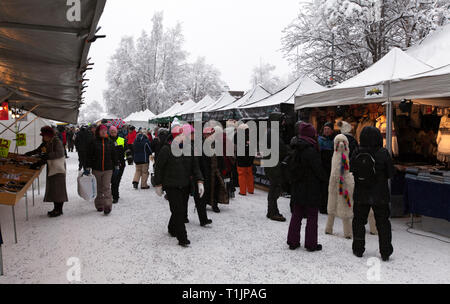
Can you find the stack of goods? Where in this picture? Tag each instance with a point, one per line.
(16, 171)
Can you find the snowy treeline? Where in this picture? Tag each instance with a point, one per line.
(153, 72)
(264, 75)
(91, 112)
(362, 32)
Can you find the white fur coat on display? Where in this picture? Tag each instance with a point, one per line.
(342, 184)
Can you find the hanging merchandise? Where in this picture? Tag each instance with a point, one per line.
(443, 139)
(21, 140)
(4, 111)
(4, 147)
(382, 126)
(415, 117)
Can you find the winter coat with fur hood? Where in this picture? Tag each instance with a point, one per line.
(341, 186)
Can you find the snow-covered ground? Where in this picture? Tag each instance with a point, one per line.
(242, 246)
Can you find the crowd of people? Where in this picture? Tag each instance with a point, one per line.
(330, 173)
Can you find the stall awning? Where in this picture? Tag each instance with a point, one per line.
(370, 86)
(43, 55)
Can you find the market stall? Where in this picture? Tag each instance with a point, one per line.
(17, 176)
(409, 103)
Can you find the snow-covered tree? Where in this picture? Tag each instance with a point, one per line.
(264, 75)
(353, 34)
(91, 112)
(153, 73)
(203, 79)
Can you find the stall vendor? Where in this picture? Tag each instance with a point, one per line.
(51, 151)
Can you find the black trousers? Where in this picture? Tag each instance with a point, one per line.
(200, 205)
(382, 213)
(115, 183)
(178, 198)
(275, 191)
(82, 159)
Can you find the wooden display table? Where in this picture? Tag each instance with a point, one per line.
(14, 172)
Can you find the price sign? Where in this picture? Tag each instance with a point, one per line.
(4, 147)
(21, 140)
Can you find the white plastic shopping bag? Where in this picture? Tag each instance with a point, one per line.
(87, 187)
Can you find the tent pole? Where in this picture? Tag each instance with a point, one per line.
(389, 120)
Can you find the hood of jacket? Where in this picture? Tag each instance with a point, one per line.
(371, 138)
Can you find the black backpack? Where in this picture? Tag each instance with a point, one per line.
(363, 168)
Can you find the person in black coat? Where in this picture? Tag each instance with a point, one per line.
(83, 140)
(307, 180)
(274, 174)
(103, 161)
(373, 194)
(174, 174)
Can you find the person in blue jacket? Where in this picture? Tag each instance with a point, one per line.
(142, 153)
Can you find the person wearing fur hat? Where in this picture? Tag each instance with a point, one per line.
(103, 161)
(308, 178)
(346, 129)
(341, 185)
(372, 167)
(55, 187)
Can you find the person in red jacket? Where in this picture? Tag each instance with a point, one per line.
(131, 138)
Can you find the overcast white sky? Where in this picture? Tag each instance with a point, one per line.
(233, 35)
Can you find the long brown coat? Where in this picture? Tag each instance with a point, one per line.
(55, 187)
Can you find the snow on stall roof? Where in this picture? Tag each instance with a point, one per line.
(395, 64)
(186, 106)
(224, 100)
(434, 49)
(169, 111)
(303, 85)
(202, 104)
(141, 116)
(256, 94)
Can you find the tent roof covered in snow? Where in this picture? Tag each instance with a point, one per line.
(256, 94)
(143, 116)
(185, 107)
(169, 111)
(224, 100)
(434, 49)
(431, 87)
(202, 104)
(368, 86)
(301, 86)
(43, 55)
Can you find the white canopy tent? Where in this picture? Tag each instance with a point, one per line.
(168, 112)
(140, 119)
(206, 102)
(434, 49)
(301, 86)
(185, 107)
(256, 94)
(224, 100)
(370, 86)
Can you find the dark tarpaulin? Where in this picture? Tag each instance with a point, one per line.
(43, 55)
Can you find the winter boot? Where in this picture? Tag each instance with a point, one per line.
(277, 218)
(135, 185)
(208, 222)
(293, 247)
(107, 211)
(358, 254)
(115, 201)
(317, 248)
(216, 209)
(184, 243)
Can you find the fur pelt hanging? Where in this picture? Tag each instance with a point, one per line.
(342, 184)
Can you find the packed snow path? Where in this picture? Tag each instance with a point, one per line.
(132, 245)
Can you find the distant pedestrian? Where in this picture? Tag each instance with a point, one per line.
(142, 153)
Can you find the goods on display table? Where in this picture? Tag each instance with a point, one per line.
(17, 175)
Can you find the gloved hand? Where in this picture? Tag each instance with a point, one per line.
(201, 190)
(159, 191)
(29, 154)
(87, 172)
